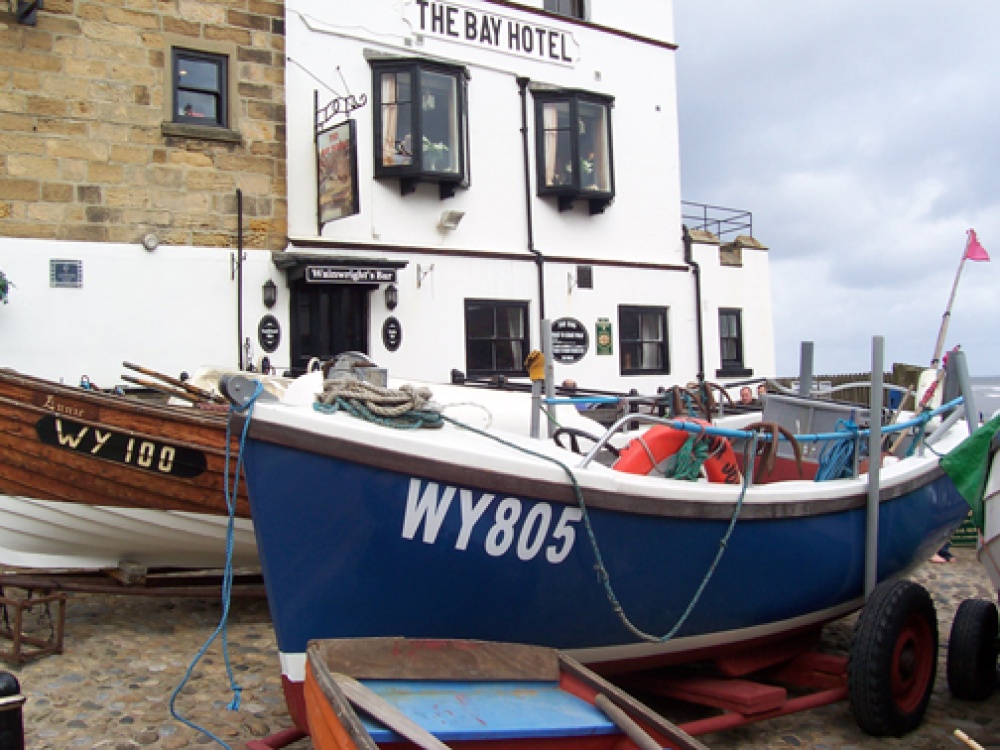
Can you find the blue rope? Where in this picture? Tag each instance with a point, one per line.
(836, 460)
(232, 492)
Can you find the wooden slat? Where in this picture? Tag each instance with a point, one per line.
(415, 659)
(380, 709)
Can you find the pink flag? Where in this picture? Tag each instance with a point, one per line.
(973, 250)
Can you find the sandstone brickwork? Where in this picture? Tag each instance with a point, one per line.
(87, 148)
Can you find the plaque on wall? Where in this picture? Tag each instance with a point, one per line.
(392, 333)
(269, 333)
(570, 341)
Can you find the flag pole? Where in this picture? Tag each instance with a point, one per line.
(939, 346)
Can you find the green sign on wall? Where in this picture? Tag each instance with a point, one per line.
(604, 339)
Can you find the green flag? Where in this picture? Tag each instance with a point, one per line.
(968, 466)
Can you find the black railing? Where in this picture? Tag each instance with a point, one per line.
(716, 219)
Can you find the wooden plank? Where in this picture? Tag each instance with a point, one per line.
(729, 694)
(380, 709)
(416, 659)
(660, 727)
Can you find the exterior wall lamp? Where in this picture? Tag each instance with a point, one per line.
(391, 297)
(270, 292)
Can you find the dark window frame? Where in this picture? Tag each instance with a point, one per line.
(476, 370)
(220, 93)
(627, 345)
(418, 169)
(730, 366)
(574, 187)
(569, 8)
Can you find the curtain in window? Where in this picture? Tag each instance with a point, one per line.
(550, 121)
(390, 119)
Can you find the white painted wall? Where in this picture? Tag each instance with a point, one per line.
(171, 310)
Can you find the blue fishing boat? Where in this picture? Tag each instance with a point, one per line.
(461, 532)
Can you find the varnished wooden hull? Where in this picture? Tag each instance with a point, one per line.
(104, 468)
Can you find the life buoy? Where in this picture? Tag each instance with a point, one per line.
(648, 451)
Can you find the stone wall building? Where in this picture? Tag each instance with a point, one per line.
(100, 148)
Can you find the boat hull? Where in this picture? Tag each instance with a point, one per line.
(989, 550)
(87, 476)
(368, 533)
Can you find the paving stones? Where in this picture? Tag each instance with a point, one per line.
(125, 656)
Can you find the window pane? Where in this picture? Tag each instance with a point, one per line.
(595, 171)
(439, 110)
(479, 356)
(557, 144)
(191, 104)
(511, 322)
(573, 8)
(652, 356)
(479, 322)
(397, 148)
(198, 74)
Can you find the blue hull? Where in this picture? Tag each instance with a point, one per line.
(351, 550)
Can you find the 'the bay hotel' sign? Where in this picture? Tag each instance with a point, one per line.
(459, 23)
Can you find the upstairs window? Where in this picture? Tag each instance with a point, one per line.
(420, 124)
(731, 344)
(643, 333)
(496, 337)
(574, 148)
(571, 8)
(200, 81)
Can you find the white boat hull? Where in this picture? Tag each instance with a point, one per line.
(989, 550)
(51, 535)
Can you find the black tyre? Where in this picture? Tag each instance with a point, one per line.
(972, 650)
(893, 659)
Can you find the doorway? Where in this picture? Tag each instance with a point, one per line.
(328, 319)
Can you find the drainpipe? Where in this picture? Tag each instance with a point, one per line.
(696, 270)
(239, 275)
(522, 84)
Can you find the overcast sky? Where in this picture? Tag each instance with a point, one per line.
(865, 139)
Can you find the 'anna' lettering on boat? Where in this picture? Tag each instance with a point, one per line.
(428, 506)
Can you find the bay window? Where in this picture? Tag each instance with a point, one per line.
(420, 124)
(573, 148)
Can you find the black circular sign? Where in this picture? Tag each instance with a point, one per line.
(392, 333)
(269, 333)
(570, 340)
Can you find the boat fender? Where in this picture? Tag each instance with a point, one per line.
(646, 453)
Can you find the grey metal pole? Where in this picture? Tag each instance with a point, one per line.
(958, 367)
(805, 368)
(874, 464)
(550, 372)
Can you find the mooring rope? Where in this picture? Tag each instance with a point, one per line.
(232, 493)
(602, 572)
(402, 409)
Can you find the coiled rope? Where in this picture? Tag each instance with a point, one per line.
(402, 409)
(232, 492)
(836, 460)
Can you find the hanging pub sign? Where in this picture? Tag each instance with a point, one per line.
(604, 345)
(570, 341)
(337, 172)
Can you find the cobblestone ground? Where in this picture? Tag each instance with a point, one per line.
(125, 656)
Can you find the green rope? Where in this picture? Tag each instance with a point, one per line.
(411, 420)
(689, 459)
(603, 576)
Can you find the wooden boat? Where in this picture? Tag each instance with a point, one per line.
(368, 693)
(90, 479)
(367, 531)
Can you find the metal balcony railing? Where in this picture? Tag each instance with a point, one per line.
(718, 220)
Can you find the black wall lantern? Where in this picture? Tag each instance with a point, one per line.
(270, 291)
(391, 297)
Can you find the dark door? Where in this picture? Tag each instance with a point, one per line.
(328, 319)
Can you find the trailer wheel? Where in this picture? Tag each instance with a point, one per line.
(893, 659)
(972, 650)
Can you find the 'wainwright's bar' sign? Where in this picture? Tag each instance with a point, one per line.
(458, 23)
(338, 275)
